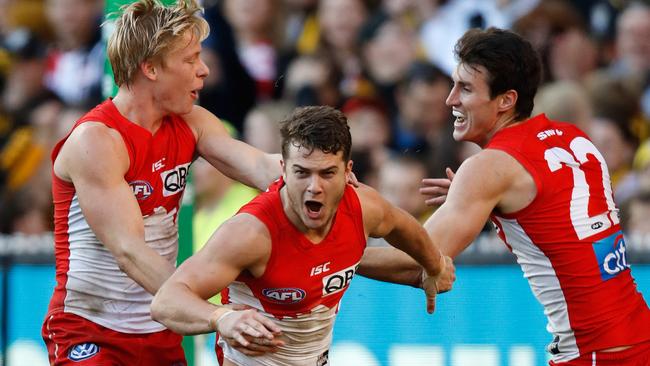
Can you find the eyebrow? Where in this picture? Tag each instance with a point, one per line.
(298, 166)
(462, 84)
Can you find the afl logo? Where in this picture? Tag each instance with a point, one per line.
(287, 295)
(141, 189)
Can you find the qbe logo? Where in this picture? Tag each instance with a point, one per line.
(339, 281)
(141, 189)
(610, 252)
(286, 295)
(174, 180)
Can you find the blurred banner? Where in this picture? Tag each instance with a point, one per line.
(490, 318)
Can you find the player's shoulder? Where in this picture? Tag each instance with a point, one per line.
(374, 207)
(199, 115)
(248, 224)
(202, 120)
(92, 144)
(244, 232)
(489, 170)
(488, 159)
(94, 138)
(366, 194)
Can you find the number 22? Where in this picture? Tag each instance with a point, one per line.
(584, 225)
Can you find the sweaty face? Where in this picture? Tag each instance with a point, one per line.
(315, 182)
(180, 76)
(476, 113)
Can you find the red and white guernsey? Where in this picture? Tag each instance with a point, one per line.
(89, 281)
(303, 282)
(569, 243)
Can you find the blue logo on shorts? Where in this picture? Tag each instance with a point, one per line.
(610, 253)
(83, 351)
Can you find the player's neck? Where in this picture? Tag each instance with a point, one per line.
(503, 121)
(138, 109)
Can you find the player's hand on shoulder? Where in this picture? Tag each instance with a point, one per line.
(435, 189)
(249, 332)
(352, 179)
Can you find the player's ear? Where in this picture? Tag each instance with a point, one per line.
(508, 100)
(348, 166)
(284, 170)
(148, 69)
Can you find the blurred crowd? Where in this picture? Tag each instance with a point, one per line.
(385, 63)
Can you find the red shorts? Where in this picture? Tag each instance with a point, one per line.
(73, 340)
(637, 355)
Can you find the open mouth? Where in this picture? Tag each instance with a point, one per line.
(460, 118)
(313, 209)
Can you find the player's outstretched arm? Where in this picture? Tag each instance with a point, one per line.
(401, 230)
(95, 160)
(232, 157)
(479, 185)
(241, 243)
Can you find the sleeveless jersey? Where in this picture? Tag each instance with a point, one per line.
(89, 281)
(568, 240)
(303, 282)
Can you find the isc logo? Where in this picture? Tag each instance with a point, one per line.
(174, 179)
(321, 268)
(287, 295)
(611, 255)
(141, 189)
(337, 282)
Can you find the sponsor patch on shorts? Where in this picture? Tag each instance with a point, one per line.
(82, 351)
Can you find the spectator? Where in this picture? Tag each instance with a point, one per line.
(76, 63)
(565, 101)
(261, 126)
(313, 80)
(617, 145)
(388, 47)
(340, 23)
(423, 120)
(639, 178)
(633, 49)
(229, 91)
(399, 177)
(254, 24)
(559, 34)
(370, 130)
(31, 116)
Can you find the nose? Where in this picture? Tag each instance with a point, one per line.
(203, 70)
(452, 98)
(315, 185)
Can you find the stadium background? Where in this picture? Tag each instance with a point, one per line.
(490, 319)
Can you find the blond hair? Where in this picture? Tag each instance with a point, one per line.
(146, 30)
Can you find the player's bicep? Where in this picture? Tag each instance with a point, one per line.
(241, 243)
(232, 157)
(95, 159)
(476, 190)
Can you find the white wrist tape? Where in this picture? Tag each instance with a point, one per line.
(220, 318)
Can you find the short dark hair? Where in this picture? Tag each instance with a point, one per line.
(317, 127)
(511, 61)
